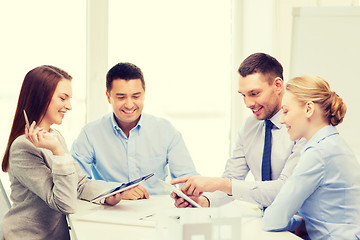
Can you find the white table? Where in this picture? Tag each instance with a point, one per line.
(128, 220)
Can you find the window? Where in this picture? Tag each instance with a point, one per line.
(184, 50)
(42, 32)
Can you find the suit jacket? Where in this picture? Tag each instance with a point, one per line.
(44, 189)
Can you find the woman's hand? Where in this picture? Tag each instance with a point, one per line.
(42, 139)
(115, 199)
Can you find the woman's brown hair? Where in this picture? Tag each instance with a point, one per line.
(35, 95)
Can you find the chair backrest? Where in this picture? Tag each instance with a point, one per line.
(71, 228)
(4, 203)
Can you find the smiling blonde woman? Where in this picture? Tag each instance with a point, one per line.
(324, 190)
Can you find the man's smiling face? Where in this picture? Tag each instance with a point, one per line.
(263, 98)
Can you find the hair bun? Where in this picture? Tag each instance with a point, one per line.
(337, 110)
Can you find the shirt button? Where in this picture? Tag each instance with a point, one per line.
(132, 176)
(130, 158)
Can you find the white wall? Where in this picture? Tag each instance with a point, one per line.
(185, 54)
(35, 33)
(326, 42)
(54, 32)
(328, 47)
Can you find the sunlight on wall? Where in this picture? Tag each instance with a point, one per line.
(185, 59)
(42, 32)
(184, 52)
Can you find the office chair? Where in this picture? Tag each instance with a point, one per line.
(71, 228)
(4, 203)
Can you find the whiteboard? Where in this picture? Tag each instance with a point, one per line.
(326, 43)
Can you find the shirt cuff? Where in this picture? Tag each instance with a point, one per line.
(217, 198)
(294, 223)
(63, 165)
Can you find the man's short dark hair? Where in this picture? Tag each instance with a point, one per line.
(125, 71)
(261, 63)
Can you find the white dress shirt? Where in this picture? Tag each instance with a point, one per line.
(247, 156)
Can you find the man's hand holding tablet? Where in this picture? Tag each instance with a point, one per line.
(179, 193)
(194, 186)
(136, 193)
(182, 203)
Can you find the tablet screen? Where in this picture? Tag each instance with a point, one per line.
(123, 187)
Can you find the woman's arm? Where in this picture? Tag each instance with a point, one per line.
(307, 176)
(50, 177)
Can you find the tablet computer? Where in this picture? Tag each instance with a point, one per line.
(122, 187)
(172, 188)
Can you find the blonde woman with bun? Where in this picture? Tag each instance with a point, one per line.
(324, 189)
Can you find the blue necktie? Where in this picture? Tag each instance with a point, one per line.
(266, 160)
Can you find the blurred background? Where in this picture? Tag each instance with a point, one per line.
(189, 52)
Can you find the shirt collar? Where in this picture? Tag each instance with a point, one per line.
(118, 130)
(321, 135)
(140, 122)
(276, 119)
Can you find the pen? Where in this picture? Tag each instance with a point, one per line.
(148, 216)
(26, 120)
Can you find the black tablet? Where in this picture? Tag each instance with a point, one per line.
(122, 187)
